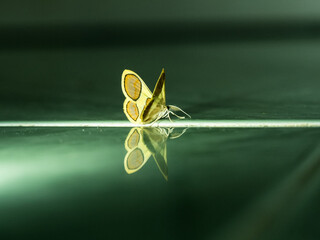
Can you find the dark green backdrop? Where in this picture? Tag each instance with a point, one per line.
(224, 59)
(250, 59)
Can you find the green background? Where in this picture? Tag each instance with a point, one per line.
(224, 59)
(63, 60)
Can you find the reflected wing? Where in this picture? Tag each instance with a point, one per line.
(156, 142)
(140, 144)
(137, 95)
(157, 104)
(137, 152)
(160, 158)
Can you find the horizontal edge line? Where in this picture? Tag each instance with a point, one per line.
(178, 124)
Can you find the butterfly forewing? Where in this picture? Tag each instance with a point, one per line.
(157, 104)
(159, 89)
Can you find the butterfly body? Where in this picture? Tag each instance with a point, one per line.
(141, 106)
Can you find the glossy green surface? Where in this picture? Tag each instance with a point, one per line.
(222, 184)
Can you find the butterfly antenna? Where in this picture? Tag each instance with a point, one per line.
(175, 108)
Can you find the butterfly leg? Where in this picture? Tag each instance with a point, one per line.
(175, 108)
(167, 131)
(180, 134)
(169, 117)
(161, 115)
(180, 117)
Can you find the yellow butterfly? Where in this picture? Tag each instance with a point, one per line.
(141, 106)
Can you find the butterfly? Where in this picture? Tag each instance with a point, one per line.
(143, 107)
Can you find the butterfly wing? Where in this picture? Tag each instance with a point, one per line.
(137, 95)
(157, 104)
(156, 143)
(137, 152)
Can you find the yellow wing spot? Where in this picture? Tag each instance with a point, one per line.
(132, 110)
(135, 159)
(132, 86)
(133, 139)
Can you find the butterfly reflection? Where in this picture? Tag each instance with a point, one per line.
(141, 143)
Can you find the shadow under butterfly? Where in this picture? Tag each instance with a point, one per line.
(142, 143)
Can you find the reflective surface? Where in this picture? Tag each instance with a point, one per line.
(222, 184)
